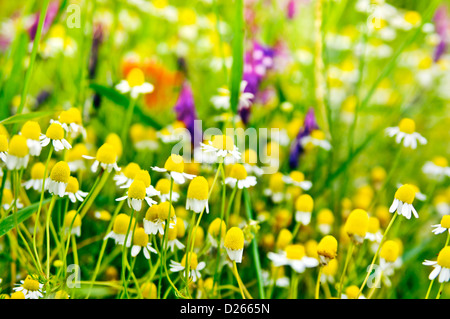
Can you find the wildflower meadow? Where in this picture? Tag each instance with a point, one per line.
(212, 149)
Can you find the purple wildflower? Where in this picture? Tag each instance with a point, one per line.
(52, 10)
(296, 148)
(442, 24)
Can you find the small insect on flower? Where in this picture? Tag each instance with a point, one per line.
(37, 177)
(32, 132)
(122, 223)
(441, 266)
(197, 195)
(135, 84)
(140, 242)
(71, 122)
(294, 255)
(403, 198)
(59, 179)
(238, 177)
(356, 225)
(18, 154)
(406, 131)
(443, 226)
(106, 157)
(194, 265)
(234, 244)
(297, 178)
(31, 288)
(175, 167)
(304, 205)
(327, 249)
(73, 190)
(437, 168)
(72, 223)
(55, 134)
(163, 187)
(223, 147)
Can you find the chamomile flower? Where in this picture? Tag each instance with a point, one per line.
(250, 160)
(215, 229)
(55, 134)
(31, 288)
(352, 292)
(297, 178)
(135, 195)
(222, 100)
(194, 266)
(144, 176)
(437, 168)
(37, 177)
(327, 249)
(32, 132)
(443, 226)
(71, 122)
(18, 153)
(143, 138)
(172, 234)
(389, 257)
(174, 166)
(156, 217)
(441, 266)
(234, 244)
(405, 132)
(294, 255)
(173, 132)
(276, 187)
(374, 234)
(238, 177)
(223, 147)
(197, 195)
(403, 198)
(163, 187)
(329, 271)
(73, 190)
(304, 205)
(75, 159)
(126, 176)
(3, 147)
(325, 220)
(122, 223)
(356, 225)
(140, 242)
(106, 157)
(59, 179)
(316, 138)
(135, 84)
(8, 200)
(72, 223)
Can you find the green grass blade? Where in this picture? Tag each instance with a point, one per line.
(19, 118)
(238, 55)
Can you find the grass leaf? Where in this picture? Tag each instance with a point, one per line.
(19, 118)
(238, 55)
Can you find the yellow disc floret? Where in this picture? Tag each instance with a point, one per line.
(174, 163)
(121, 224)
(217, 226)
(445, 221)
(37, 170)
(72, 216)
(327, 247)
(131, 170)
(407, 126)
(390, 251)
(106, 154)
(135, 77)
(72, 115)
(284, 238)
(137, 190)
(60, 172)
(3, 143)
(72, 186)
(193, 261)
(406, 193)
(163, 186)
(152, 213)
(357, 223)
(304, 203)
(238, 172)
(31, 130)
(30, 284)
(55, 131)
(198, 188)
(18, 146)
(295, 251)
(440, 161)
(223, 142)
(352, 292)
(140, 238)
(325, 217)
(443, 259)
(234, 239)
(163, 212)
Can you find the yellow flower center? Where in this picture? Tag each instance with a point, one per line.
(297, 176)
(70, 217)
(348, 65)
(55, 131)
(250, 157)
(30, 284)
(106, 154)
(234, 239)
(60, 172)
(283, 239)
(276, 183)
(137, 132)
(7, 196)
(164, 208)
(116, 142)
(135, 77)
(181, 227)
(31, 130)
(407, 126)
(198, 188)
(137, 190)
(331, 268)
(140, 238)
(238, 172)
(223, 142)
(193, 261)
(152, 213)
(378, 174)
(405, 193)
(413, 17)
(174, 163)
(352, 292)
(37, 171)
(121, 224)
(425, 63)
(18, 146)
(444, 257)
(187, 16)
(325, 217)
(17, 295)
(217, 226)
(440, 161)
(131, 170)
(304, 203)
(374, 225)
(160, 4)
(357, 223)
(172, 233)
(149, 290)
(72, 115)
(163, 186)
(296, 251)
(143, 176)
(390, 251)
(72, 186)
(318, 135)
(327, 247)
(3, 143)
(76, 153)
(445, 221)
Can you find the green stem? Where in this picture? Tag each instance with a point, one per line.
(349, 255)
(47, 227)
(316, 295)
(124, 254)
